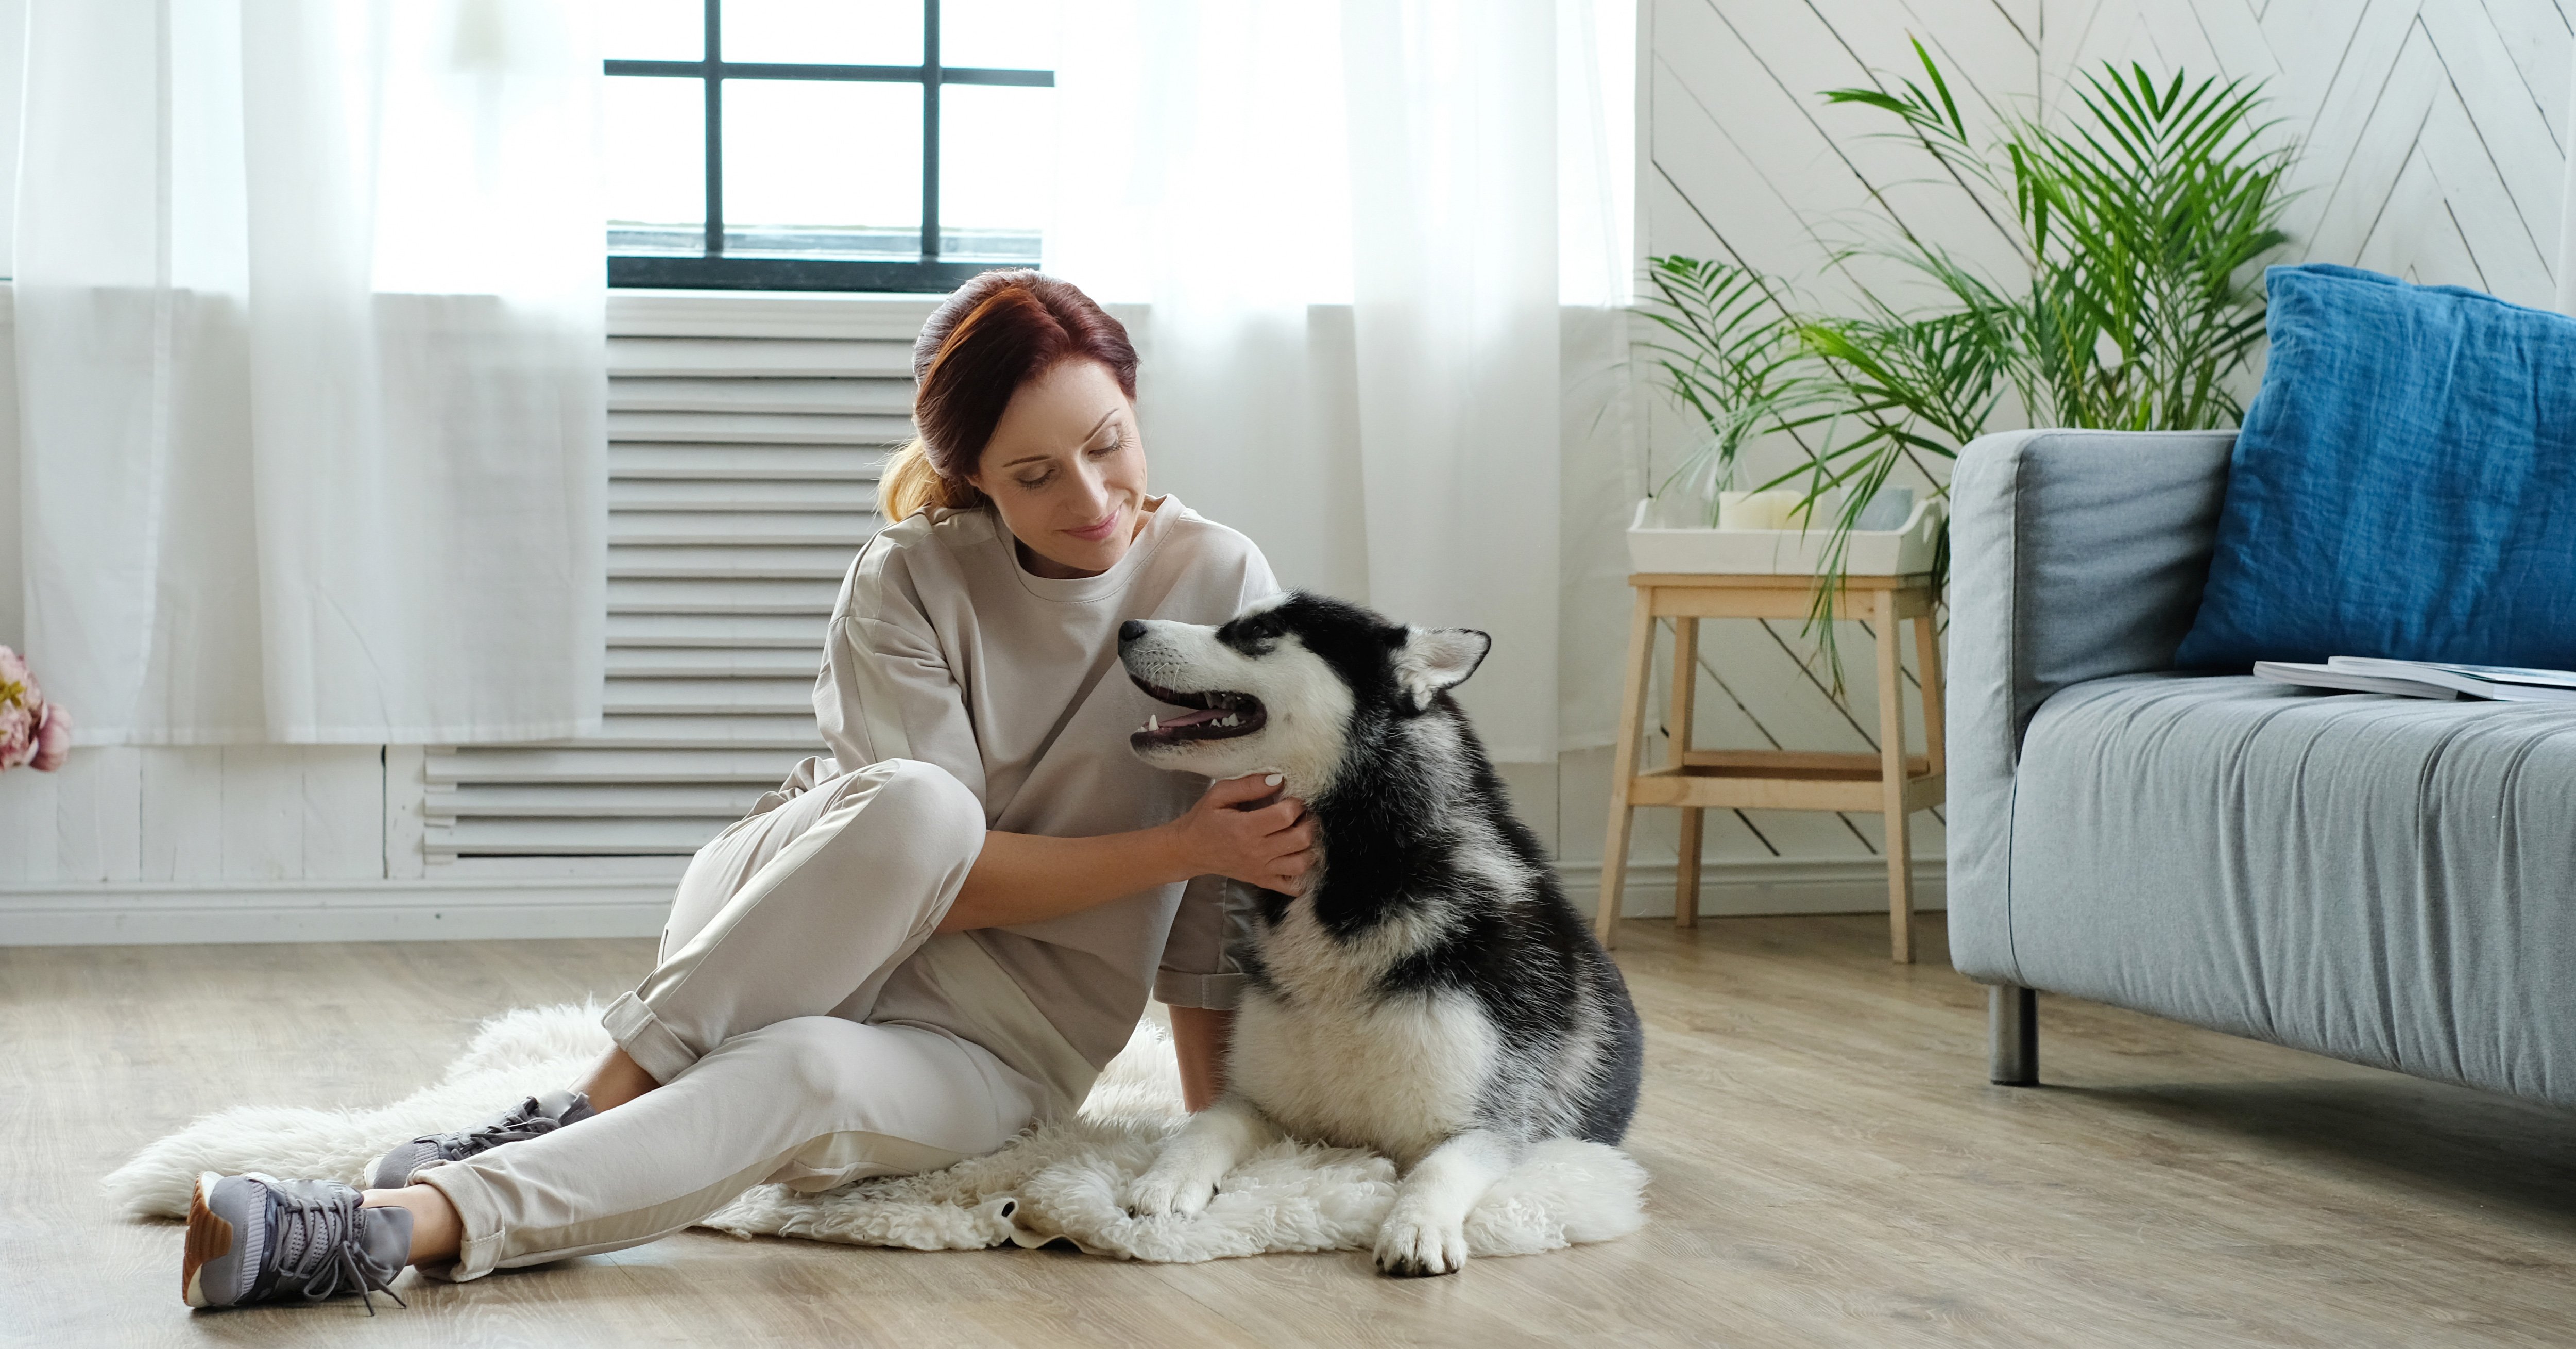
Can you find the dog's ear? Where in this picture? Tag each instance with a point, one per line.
(1433, 659)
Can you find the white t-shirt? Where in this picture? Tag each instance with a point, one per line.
(945, 649)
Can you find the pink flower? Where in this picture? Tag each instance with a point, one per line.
(17, 735)
(53, 739)
(32, 731)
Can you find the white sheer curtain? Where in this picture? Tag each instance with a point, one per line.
(1350, 223)
(309, 343)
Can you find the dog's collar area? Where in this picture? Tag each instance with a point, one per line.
(1214, 714)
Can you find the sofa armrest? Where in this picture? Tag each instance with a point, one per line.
(2076, 555)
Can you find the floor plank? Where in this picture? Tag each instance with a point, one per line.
(1830, 1169)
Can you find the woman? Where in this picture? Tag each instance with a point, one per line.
(919, 946)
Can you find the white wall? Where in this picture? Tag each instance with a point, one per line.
(13, 596)
(13, 50)
(2433, 152)
(13, 59)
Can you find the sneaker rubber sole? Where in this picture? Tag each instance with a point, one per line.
(209, 1238)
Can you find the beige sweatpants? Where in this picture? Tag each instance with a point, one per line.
(806, 1027)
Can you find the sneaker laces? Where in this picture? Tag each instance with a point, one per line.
(321, 1243)
(527, 1122)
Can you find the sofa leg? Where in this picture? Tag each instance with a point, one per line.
(2012, 1035)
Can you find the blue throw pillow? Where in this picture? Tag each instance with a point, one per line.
(2404, 485)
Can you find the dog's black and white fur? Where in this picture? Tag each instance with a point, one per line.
(1431, 995)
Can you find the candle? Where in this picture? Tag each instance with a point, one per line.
(1759, 510)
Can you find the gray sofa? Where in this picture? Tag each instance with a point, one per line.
(2385, 880)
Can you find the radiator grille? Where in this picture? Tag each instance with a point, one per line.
(746, 436)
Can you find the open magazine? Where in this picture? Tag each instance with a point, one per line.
(2425, 679)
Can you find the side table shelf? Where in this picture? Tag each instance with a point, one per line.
(1891, 781)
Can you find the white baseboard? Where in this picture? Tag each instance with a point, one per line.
(1772, 885)
(486, 908)
(476, 909)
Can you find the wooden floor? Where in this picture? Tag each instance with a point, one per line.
(1830, 1169)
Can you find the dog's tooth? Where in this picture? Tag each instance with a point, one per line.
(1153, 723)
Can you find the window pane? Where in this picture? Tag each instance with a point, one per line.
(657, 183)
(1017, 34)
(824, 32)
(993, 179)
(822, 169)
(655, 30)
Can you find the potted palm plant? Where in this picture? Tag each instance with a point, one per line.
(1737, 358)
(2140, 225)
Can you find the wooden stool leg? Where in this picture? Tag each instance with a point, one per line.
(1927, 670)
(1891, 771)
(1623, 766)
(1677, 752)
(1686, 876)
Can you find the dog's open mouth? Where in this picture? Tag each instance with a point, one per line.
(1213, 714)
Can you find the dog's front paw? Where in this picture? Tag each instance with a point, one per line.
(1162, 1192)
(1411, 1247)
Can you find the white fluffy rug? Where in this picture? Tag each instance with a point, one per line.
(1060, 1180)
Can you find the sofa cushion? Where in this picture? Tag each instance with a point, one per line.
(2404, 485)
(2386, 880)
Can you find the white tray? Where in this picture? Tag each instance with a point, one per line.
(1786, 552)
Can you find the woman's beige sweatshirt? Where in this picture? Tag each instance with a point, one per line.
(945, 649)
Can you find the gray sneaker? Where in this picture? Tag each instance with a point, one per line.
(529, 1118)
(255, 1238)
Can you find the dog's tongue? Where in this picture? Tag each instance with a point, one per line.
(1205, 714)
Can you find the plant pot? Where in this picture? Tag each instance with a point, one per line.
(1904, 551)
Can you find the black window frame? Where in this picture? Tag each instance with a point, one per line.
(714, 269)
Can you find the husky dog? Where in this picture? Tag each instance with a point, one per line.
(1431, 995)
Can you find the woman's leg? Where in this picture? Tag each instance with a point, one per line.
(810, 1101)
(801, 911)
(760, 1011)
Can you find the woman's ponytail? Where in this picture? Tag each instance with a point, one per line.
(912, 483)
(909, 485)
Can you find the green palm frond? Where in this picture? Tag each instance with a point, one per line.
(1731, 356)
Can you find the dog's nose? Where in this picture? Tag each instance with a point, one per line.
(1129, 631)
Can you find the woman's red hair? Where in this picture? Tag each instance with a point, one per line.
(996, 333)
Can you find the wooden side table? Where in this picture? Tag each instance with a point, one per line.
(1891, 781)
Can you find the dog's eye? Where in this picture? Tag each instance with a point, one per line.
(1251, 634)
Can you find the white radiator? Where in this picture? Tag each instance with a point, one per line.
(746, 435)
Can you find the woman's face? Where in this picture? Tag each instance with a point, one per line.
(1066, 469)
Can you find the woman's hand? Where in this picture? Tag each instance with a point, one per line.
(1244, 829)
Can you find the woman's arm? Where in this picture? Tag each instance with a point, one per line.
(1023, 878)
(1235, 830)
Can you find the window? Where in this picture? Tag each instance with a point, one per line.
(825, 144)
